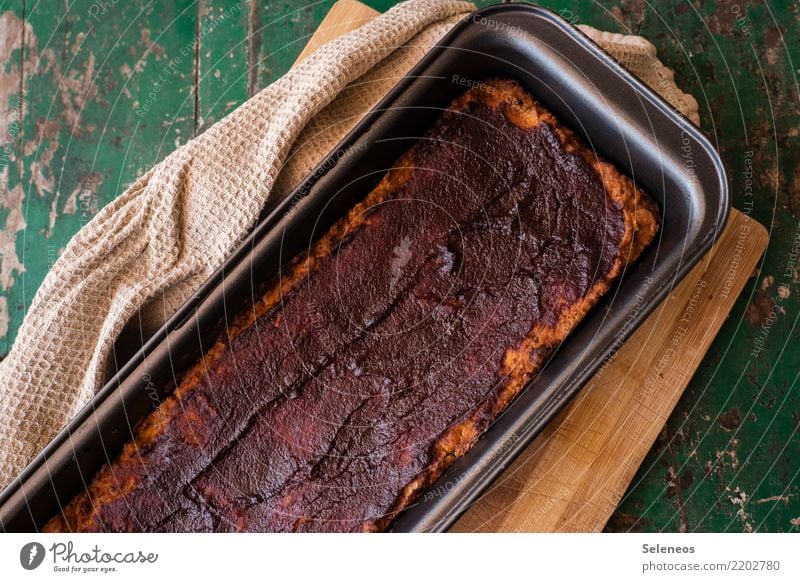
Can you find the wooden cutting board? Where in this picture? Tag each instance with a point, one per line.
(572, 477)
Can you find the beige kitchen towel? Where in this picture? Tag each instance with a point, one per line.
(158, 241)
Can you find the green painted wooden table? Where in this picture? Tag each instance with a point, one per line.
(93, 92)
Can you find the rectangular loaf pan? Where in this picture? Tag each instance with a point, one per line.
(623, 120)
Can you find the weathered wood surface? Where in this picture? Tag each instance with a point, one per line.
(92, 93)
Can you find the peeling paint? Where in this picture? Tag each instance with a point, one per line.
(739, 499)
(71, 204)
(77, 42)
(4, 319)
(726, 20)
(794, 192)
(759, 309)
(770, 178)
(675, 489)
(771, 55)
(84, 196)
(733, 453)
(75, 88)
(783, 498)
(52, 215)
(15, 222)
(728, 455)
(630, 14)
(42, 177)
(12, 36)
(145, 37)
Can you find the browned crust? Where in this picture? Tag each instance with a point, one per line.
(80, 514)
(519, 365)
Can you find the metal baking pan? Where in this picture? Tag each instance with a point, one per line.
(623, 120)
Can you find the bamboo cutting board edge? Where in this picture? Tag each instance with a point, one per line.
(572, 477)
(574, 474)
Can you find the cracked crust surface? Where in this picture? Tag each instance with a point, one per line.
(388, 349)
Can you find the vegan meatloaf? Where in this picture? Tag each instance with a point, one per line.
(384, 352)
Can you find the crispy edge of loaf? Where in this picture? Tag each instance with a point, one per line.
(80, 514)
(519, 364)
